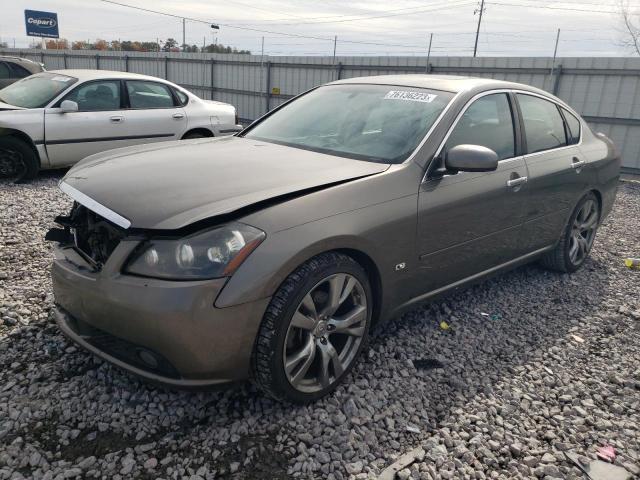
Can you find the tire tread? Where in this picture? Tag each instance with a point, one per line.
(261, 369)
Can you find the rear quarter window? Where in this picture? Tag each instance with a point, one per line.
(573, 126)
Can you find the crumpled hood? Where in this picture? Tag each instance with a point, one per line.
(171, 185)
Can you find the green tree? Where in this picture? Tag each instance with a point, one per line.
(169, 45)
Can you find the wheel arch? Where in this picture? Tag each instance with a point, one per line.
(598, 196)
(205, 131)
(258, 279)
(19, 134)
(373, 273)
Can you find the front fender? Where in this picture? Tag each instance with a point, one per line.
(386, 244)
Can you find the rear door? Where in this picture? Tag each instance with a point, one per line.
(98, 125)
(469, 222)
(556, 170)
(154, 111)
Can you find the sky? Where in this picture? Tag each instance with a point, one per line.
(362, 27)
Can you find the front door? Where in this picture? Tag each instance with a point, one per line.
(469, 222)
(98, 125)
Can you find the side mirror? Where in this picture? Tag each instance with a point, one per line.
(471, 158)
(68, 106)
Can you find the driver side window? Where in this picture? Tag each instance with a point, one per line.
(97, 96)
(488, 122)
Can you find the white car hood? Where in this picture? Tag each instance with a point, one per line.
(6, 106)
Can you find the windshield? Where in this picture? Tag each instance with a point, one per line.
(37, 90)
(382, 123)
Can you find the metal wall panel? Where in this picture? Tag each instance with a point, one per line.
(607, 90)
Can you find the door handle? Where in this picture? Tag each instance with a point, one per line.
(116, 119)
(178, 116)
(514, 182)
(577, 163)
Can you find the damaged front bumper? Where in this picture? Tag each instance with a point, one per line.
(165, 331)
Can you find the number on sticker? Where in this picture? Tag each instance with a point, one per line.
(410, 96)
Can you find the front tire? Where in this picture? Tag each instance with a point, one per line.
(314, 329)
(18, 161)
(577, 239)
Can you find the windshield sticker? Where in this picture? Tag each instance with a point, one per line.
(410, 96)
(61, 79)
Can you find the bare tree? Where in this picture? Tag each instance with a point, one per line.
(631, 30)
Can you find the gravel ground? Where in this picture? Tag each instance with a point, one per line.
(553, 366)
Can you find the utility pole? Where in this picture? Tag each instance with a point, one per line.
(335, 42)
(553, 64)
(481, 11)
(426, 68)
(184, 36)
(262, 65)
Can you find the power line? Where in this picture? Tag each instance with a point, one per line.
(439, 6)
(269, 31)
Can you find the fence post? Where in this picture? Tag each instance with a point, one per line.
(339, 70)
(126, 63)
(556, 83)
(64, 59)
(97, 61)
(268, 87)
(166, 68)
(213, 62)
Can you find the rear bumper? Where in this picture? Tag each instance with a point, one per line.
(165, 331)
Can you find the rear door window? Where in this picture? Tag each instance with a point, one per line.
(144, 95)
(4, 71)
(488, 122)
(18, 71)
(543, 125)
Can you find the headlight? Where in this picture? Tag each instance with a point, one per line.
(211, 254)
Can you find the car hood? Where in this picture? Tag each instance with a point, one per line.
(6, 106)
(171, 185)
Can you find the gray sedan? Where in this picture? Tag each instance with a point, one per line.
(271, 254)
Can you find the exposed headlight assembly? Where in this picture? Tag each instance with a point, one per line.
(213, 253)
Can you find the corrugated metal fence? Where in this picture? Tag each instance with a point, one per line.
(606, 91)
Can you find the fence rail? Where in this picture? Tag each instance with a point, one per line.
(606, 91)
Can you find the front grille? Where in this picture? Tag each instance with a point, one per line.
(125, 351)
(94, 236)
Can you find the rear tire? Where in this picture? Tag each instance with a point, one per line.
(577, 238)
(306, 345)
(18, 161)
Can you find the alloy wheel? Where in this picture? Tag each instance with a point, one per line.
(11, 163)
(325, 333)
(583, 232)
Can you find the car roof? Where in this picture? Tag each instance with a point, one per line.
(27, 63)
(447, 83)
(84, 75)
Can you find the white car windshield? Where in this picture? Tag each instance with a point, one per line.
(383, 123)
(37, 90)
